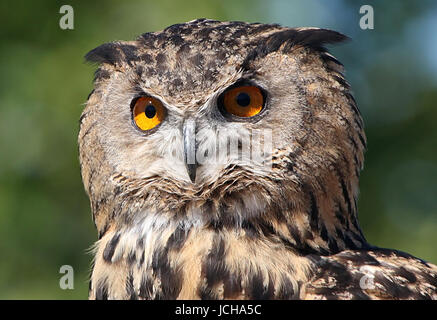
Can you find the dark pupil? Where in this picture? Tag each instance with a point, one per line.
(150, 111)
(243, 99)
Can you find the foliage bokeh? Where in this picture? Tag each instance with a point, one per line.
(45, 220)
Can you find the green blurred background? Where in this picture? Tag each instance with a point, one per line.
(45, 220)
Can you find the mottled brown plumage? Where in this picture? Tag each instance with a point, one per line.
(241, 230)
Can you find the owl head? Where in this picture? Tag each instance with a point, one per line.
(227, 125)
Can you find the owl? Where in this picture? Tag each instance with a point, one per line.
(222, 161)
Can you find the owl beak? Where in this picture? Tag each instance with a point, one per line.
(189, 134)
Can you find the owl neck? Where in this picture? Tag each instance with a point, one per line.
(305, 218)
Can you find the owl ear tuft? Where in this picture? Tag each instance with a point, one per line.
(105, 53)
(307, 37)
(317, 38)
(112, 53)
(286, 40)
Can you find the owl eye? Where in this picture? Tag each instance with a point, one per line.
(243, 101)
(148, 112)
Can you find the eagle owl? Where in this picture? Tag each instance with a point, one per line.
(176, 222)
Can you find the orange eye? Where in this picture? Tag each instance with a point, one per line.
(245, 101)
(148, 112)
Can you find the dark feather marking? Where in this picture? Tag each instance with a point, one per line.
(110, 247)
(395, 290)
(183, 52)
(131, 258)
(344, 190)
(286, 290)
(301, 242)
(147, 40)
(324, 233)
(344, 281)
(360, 258)
(269, 232)
(250, 230)
(362, 139)
(139, 70)
(355, 147)
(341, 273)
(409, 276)
(340, 234)
(262, 28)
(359, 236)
(256, 289)
(102, 289)
(205, 32)
(430, 278)
(171, 278)
(213, 268)
(146, 58)
(141, 259)
(308, 235)
(140, 243)
(88, 130)
(215, 224)
(239, 33)
(215, 272)
(160, 60)
(295, 233)
(333, 247)
(177, 82)
(103, 230)
(278, 210)
(341, 81)
(85, 114)
(176, 40)
(208, 206)
(130, 290)
(161, 40)
(391, 252)
(90, 283)
(323, 251)
(358, 122)
(146, 287)
(197, 60)
(339, 214)
(231, 286)
(130, 53)
(329, 58)
(96, 205)
(175, 28)
(207, 293)
(353, 105)
(314, 212)
(178, 238)
(90, 94)
(350, 244)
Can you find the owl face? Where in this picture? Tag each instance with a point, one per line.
(149, 133)
(216, 110)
